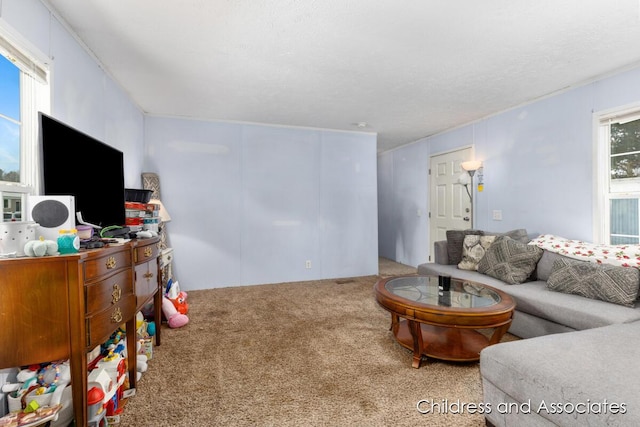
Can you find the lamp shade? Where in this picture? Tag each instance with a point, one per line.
(464, 179)
(471, 165)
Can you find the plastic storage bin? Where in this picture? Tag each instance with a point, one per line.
(134, 195)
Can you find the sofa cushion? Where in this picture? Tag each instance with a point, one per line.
(576, 312)
(473, 249)
(510, 260)
(455, 240)
(534, 299)
(587, 367)
(618, 285)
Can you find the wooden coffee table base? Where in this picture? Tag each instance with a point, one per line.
(444, 324)
(444, 343)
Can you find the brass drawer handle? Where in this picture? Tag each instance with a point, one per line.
(111, 263)
(116, 294)
(116, 316)
(148, 275)
(148, 251)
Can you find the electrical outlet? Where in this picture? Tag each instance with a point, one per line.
(307, 264)
(497, 215)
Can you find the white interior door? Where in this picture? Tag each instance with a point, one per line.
(450, 205)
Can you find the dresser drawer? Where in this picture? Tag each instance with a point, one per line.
(108, 292)
(146, 252)
(101, 325)
(98, 267)
(166, 257)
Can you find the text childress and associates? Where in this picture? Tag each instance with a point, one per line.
(445, 406)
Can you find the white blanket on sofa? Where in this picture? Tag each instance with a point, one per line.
(622, 255)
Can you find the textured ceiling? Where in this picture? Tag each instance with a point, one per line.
(409, 69)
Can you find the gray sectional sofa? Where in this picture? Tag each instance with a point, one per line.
(578, 365)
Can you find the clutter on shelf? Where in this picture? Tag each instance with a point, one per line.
(38, 395)
(41, 393)
(142, 216)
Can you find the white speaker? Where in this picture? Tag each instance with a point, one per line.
(52, 213)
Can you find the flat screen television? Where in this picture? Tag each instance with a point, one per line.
(74, 163)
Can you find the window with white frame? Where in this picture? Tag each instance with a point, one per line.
(24, 91)
(619, 176)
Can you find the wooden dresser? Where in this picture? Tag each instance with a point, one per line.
(61, 307)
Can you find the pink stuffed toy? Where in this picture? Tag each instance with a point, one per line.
(175, 319)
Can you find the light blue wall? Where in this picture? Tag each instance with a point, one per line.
(251, 204)
(83, 95)
(538, 169)
(403, 209)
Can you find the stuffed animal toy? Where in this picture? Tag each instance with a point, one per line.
(37, 248)
(180, 302)
(175, 319)
(142, 363)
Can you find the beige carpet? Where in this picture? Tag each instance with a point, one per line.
(315, 353)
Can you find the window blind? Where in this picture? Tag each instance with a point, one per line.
(23, 61)
(621, 118)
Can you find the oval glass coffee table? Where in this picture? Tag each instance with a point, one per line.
(443, 320)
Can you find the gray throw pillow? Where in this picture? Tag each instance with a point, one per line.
(510, 260)
(519, 234)
(605, 282)
(455, 239)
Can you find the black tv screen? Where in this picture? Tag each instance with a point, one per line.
(73, 163)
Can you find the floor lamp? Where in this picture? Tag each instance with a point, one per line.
(471, 167)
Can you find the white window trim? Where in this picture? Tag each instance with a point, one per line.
(35, 96)
(601, 202)
(23, 53)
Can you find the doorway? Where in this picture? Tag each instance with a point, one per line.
(450, 204)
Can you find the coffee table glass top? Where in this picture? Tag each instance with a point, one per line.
(426, 290)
